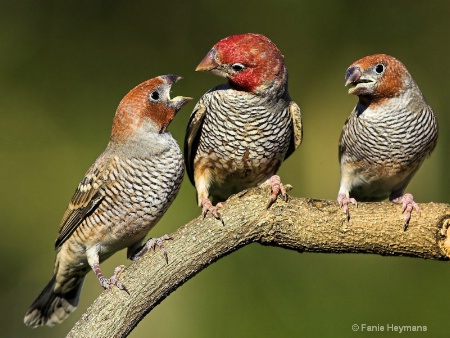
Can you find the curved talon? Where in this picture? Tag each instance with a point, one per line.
(209, 207)
(115, 281)
(151, 244)
(277, 188)
(343, 201)
(408, 205)
(106, 283)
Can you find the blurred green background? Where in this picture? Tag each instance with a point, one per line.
(64, 67)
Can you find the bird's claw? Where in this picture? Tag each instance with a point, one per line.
(106, 283)
(151, 244)
(343, 201)
(277, 188)
(408, 205)
(207, 206)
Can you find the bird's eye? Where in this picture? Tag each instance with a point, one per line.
(379, 68)
(154, 96)
(237, 67)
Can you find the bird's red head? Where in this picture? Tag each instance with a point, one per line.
(377, 77)
(251, 62)
(147, 105)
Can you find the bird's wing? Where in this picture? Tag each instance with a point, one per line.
(297, 128)
(85, 201)
(193, 133)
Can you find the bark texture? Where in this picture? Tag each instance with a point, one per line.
(301, 224)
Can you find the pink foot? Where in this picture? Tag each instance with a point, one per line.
(407, 206)
(106, 283)
(209, 207)
(151, 244)
(277, 188)
(343, 201)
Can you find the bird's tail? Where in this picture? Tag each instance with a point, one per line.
(52, 308)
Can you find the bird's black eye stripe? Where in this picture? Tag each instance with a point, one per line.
(237, 67)
(154, 96)
(379, 68)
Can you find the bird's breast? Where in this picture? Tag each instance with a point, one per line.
(241, 144)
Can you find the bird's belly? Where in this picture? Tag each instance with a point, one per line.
(232, 176)
(120, 222)
(370, 185)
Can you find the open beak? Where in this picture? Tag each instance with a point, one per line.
(177, 101)
(360, 82)
(180, 101)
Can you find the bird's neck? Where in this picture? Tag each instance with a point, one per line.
(142, 142)
(137, 148)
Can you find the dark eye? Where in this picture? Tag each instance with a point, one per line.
(237, 67)
(379, 68)
(154, 96)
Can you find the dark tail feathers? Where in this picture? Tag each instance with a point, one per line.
(51, 308)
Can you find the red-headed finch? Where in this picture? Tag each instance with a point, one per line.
(388, 135)
(241, 131)
(122, 196)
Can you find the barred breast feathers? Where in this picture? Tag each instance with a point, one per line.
(374, 137)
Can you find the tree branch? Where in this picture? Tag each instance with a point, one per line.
(304, 225)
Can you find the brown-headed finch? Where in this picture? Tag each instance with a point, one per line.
(122, 196)
(241, 131)
(388, 135)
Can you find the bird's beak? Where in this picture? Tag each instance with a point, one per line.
(209, 62)
(179, 101)
(352, 75)
(360, 82)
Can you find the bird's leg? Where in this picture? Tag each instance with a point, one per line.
(207, 206)
(276, 188)
(93, 260)
(343, 201)
(107, 282)
(407, 206)
(203, 179)
(151, 244)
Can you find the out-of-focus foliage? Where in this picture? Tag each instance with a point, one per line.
(64, 67)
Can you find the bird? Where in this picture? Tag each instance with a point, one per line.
(121, 197)
(387, 137)
(241, 131)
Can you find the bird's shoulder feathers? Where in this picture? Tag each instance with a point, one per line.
(297, 128)
(86, 199)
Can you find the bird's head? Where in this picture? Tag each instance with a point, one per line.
(148, 108)
(250, 62)
(377, 77)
